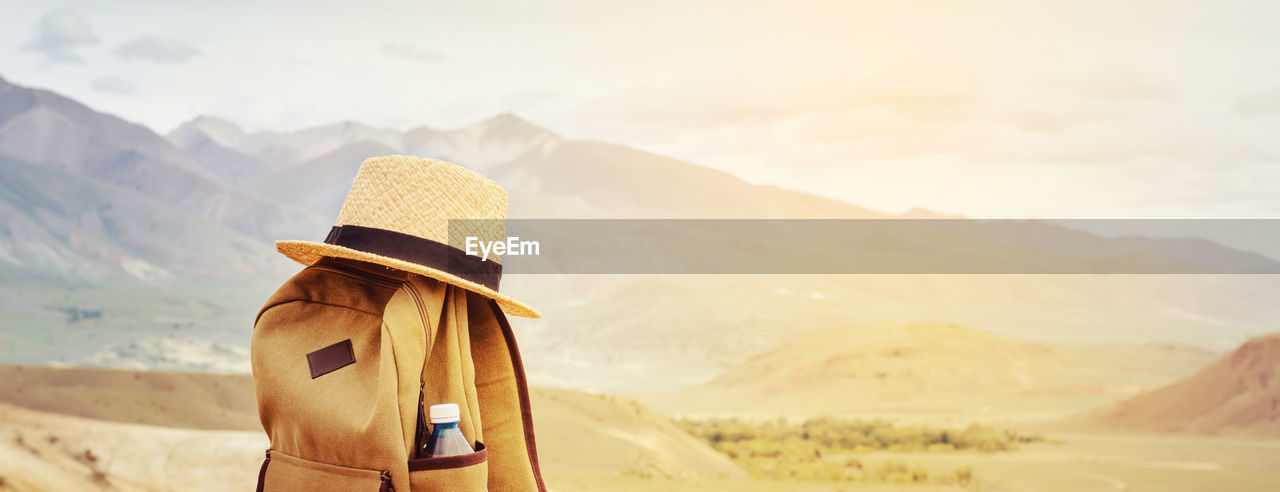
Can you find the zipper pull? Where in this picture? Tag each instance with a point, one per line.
(386, 482)
(420, 434)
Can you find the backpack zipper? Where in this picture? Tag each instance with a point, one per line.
(386, 482)
(420, 434)
(358, 275)
(422, 311)
(422, 383)
(262, 474)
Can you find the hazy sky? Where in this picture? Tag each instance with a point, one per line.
(993, 109)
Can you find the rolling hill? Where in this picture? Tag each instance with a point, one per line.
(134, 423)
(930, 369)
(1237, 394)
(188, 400)
(53, 452)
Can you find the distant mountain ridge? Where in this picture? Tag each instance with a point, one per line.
(477, 146)
(608, 180)
(546, 174)
(41, 127)
(209, 141)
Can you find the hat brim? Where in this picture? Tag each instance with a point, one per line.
(309, 252)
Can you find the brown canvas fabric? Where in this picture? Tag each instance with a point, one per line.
(292, 473)
(504, 398)
(412, 338)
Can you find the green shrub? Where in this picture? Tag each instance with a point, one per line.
(821, 434)
(817, 448)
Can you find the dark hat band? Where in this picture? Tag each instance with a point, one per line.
(421, 251)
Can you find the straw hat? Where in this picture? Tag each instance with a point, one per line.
(397, 215)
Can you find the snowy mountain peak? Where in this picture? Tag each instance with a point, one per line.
(483, 144)
(219, 130)
(507, 124)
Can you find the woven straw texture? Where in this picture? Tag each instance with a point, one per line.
(418, 196)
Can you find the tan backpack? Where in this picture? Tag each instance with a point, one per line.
(346, 356)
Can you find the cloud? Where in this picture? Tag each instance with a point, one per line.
(412, 52)
(1129, 90)
(114, 85)
(528, 99)
(761, 96)
(157, 50)
(1266, 103)
(1118, 83)
(58, 34)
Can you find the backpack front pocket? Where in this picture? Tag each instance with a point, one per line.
(282, 472)
(463, 473)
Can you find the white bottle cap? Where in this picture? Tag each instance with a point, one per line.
(444, 413)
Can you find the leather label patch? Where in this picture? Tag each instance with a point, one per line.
(331, 358)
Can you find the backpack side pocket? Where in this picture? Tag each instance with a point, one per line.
(283, 472)
(464, 473)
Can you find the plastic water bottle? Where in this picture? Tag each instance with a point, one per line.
(446, 439)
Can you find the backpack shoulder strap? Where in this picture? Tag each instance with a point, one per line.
(504, 398)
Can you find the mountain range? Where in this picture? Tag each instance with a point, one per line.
(123, 247)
